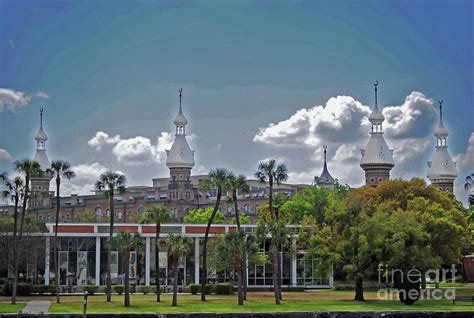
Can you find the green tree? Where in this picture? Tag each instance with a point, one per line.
(59, 169)
(230, 252)
(157, 214)
(202, 216)
(310, 202)
(279, 237)
(110, 183)
(178, 247)
(126, 242)
(468, 185)
(279, 201)
(28, 169)
(218, 179)
(243, 219)
(86, 216)
(14, 192)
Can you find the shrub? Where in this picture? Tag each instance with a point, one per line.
(210, 289)
(24, 289)
(119, 289)
(44, 289)
(7, 289)
(223, 289)
(91, 289)
(194, 289)
(143, 289)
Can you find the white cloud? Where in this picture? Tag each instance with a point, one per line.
(343, 125)
(42, 95)
(84, 182)
(136, 150)
(102, 139)
(466, 160)
(10, 99)
(5, 155)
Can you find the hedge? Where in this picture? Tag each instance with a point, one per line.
(223, 289)
(91, 289)
(119, 289)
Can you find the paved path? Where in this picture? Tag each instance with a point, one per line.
(36, 307)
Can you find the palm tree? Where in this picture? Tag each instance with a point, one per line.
(218, 179)
(28, 168)
(279, 236)
(126, 242)
(239, 184)
(14, 191)
(110, 182)
(58, 170)
(178, 247)
(3, 175)
(273, 173)
(268, 171)
(157, 214)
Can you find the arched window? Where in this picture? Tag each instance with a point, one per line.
(98, 211)
(246, 208)
(107, 212)
(229, 209)
(141, 210)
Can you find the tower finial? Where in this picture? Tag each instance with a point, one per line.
(375, 86)
(180, 97)
(440, 110)
(325, 147)
(41, 117)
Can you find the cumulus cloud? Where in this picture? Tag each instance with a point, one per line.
(465, 166)
(342, 123)
(42, 95)
(11, 99)
(102, 139)
(84, 182)
(5, 155)
(466, 160)
(136, 150)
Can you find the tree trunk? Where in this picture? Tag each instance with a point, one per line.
(109, 247)
(273, 251)
(279, 272)
(175, 283)
(20, 235)
(240, 290)
(270, 197)
(127, 278)
(56, 247)
(157, 262)
(204, 249)
(359, 292)
(243, 272)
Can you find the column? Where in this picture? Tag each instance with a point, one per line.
(97, 260)
(46, 262)
(331, 277)
(196, 260)
(293, 264)
(147, 261)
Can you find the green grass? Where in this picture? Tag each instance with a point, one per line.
(9, 308)
(257, 302)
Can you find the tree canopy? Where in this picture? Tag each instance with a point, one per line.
(202, 216)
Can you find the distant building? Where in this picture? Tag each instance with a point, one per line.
(180, 192)
(377, 160)
(325, 179)
(442, 169)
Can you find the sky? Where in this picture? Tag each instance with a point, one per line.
(260, 79)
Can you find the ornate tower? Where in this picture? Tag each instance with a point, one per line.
(377, 160)
(40, 185)
(180, 161)
(442, 169)
(325, 179)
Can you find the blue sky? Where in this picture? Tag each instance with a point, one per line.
(116, 66)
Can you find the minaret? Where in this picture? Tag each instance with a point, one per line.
(325, 179)
(40, 185)
(180, 161)
(442, 169)
(377, 160)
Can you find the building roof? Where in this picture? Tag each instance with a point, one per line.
(41, 157)
(377, 152)
(441, 165)
(376, 117)
(180, 155)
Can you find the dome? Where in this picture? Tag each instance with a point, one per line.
(441, 165)
(325, 177)
(376, 116)
(41, 157)
(376, 152)
(41, 135)
(180, 119)
(441, 131)
(180, 155)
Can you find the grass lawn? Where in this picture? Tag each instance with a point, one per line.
(9, 308)
(257, 302)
